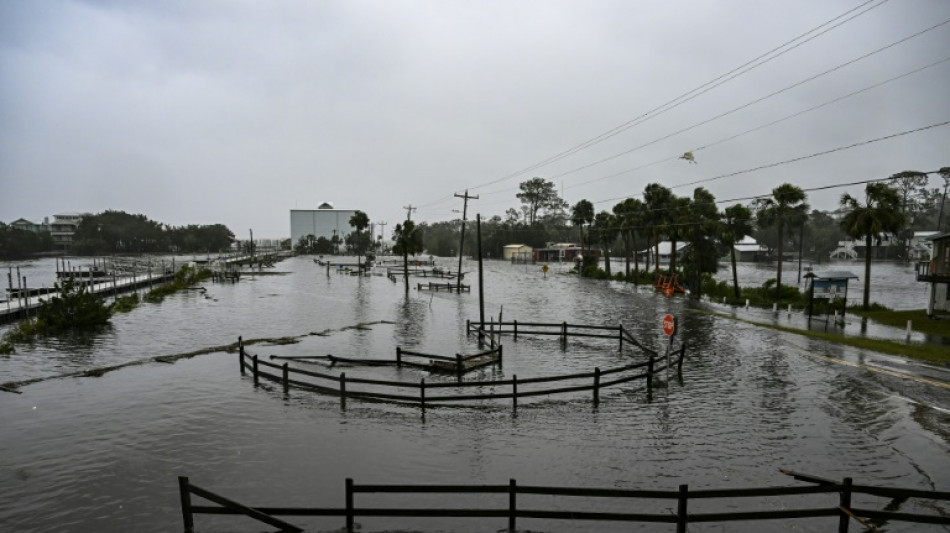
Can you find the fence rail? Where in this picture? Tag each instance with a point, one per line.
(591, 381)
(840, 508)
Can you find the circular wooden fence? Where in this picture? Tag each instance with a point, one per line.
(430, 394)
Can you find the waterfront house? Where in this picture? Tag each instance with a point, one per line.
(748, 250)
(665, 251)
(936, 272)
(63, 228)
(921, 246)
(562, 252)
(520, 253)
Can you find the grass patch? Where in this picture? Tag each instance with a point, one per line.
(184, 278)
(125, 304)
(932, 353)
(919, 320)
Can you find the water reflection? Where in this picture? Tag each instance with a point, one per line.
(101, 452)
(411, 314)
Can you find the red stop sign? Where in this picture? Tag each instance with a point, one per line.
(669, 324)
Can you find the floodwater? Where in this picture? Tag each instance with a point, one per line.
(103, 453)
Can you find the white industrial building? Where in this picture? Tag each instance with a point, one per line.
(325, 221)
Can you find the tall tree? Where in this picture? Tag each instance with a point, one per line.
(736, 225)
(408, 241)
(678, 215)
(657, 199)
(582, 213)
(360, 221)
(701, 230)
(604, 231)
(630, 215)
(786, 208)
(881, 214)
(537, 194)
(910, 185)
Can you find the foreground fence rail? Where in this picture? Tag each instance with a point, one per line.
(838, 507)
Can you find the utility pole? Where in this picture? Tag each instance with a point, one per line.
(382, 231)
(409, 209)
(466, 198)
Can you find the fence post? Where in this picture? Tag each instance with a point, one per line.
(500, 357)
(514, 392)
(286, 377)
(458, 366)
(650, 372)
(241, 353)
(512, 504)
(564, 334)
(620, 338)
(398, 357)
(682, 518)
(515, 322)
(349, 504)
(468, 327)
(342, 390)
(844, 502)
(255, 369)
(422, 394)
(597, 385)
(184, 491)
(679, 364)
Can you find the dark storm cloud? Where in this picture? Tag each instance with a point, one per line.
(236, 112)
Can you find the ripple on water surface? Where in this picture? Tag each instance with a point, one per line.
(102, 453)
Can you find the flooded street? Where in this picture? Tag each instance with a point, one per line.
(102, 453)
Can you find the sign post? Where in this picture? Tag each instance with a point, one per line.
(544, 268)
(669, 327)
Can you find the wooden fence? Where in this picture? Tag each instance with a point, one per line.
(562, 330)
(427, 394)
(839, 509)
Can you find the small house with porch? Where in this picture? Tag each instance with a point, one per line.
(519, 253)
(936, 272)
(556, 252)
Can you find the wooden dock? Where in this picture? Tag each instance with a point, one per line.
(24, 303)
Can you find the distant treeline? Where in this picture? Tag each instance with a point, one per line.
(117, 232)
(18, 243)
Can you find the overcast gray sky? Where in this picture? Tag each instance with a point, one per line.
(237, 112)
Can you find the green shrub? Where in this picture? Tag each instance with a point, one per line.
(73, 308)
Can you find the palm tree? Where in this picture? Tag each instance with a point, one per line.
(880, 214)
(700, 228)
(408, 240)
(657, 199)
(678, 218)
(630, 215)
(605, 232)
(736, 225)
(360, 221)
(582, 213)
(785, 208)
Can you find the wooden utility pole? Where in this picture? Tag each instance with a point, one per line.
(466, 198)
(409, 209)
(382, 229)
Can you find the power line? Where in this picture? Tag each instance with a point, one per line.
(753, 102)
(689, 95)
(800, 158)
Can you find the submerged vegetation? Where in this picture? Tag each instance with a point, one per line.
(184, 278)
(76, 309)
